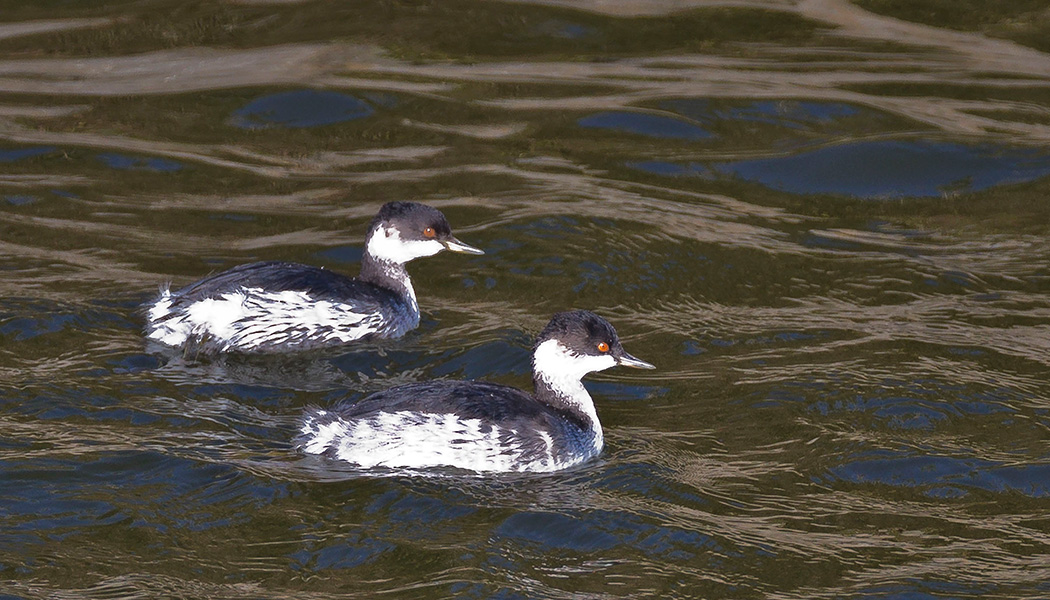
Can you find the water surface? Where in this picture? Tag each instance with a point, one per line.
(826, 226)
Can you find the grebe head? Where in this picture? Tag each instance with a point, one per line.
(403, 231)
(576, 343)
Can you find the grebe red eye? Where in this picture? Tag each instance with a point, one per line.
(603, 347)
(429, 232)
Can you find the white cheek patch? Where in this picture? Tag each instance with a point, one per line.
(386, 245)
(554, 362)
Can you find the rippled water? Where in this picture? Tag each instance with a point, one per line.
(827, 227)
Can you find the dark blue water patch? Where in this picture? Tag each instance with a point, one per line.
(49, 500)
(60, 404)
(469, 282)
(15, 154)
(692, 348)
(920, 404)
(908, 414)
(235, 217)
(935, 473)
(20, 199)
(548, 228)
(355, 551)
(596, 532)
(966, 351)
(653, 482)
(623, 392)
(405, 511)
(23, 320)
(676, 544)
(161, 491)
(985, 403)
(547, 266)
(501, 245)
(792, 114)
(65, 194)
(917, 404)
(875, 170)
(631, 271)
(776, 397)
(656, 126)
(893, 169)
(36, 519)
(893, 411)
(556, 531)
(22, 328)
(780, 338)
(341, 254)
(258, 394)
(502, 357)
(138, 163)
(301, 109)
(134, 363)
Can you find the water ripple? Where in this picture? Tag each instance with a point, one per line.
(850, 399)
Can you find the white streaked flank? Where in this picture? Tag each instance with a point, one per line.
(162, 306)
(412, 440)
(252, 317)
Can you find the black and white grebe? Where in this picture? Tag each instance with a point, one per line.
(280, 306)
(479, 426)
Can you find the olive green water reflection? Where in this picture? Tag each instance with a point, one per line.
(825, 226)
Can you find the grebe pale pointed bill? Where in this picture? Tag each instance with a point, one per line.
(483, 427)
(280, 306)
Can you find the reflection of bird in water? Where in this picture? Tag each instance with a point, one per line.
(369, 367)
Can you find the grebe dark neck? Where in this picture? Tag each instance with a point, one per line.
(390, 275)
(572, 345)
(557, 375)
(388, 248)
